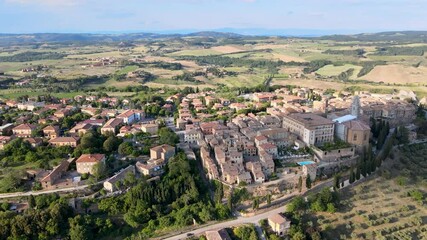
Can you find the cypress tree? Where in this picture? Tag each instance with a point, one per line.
(352, 175)
(308, 182)
(357, 176)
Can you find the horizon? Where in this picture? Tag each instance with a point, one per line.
(261, 32)
(269, 17)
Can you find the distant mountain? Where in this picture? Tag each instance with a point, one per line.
(6, 39)
(398, 36)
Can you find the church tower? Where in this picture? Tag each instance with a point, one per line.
(355, 107)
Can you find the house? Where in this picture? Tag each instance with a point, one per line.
(149, 169)
(256, 169)
(130, 116)
(56, 173)
(86, 162)
(310, 170)
(94, 122)
(163, 152)
(263, 97)
(279, 224)
(34, 142)
(110, 184)
(90, 111)
(51, 132)
(81, 129)
(111, 126)
(24, 130)
(6, 130)
(30, 106)
(150, 128)
(61, 113)
(65, 141)
(192, 136)
(221, 234)
(4, 140)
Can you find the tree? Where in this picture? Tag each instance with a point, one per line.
(330, 207)
(167, 136)
(298, 236)
(297, 204)
(125, 148)
(352, 175)
(5, 206)
(308, 182)
(337, 179)
(111, 144)
(357, 176)
(230, 201)
(299, 186)
(269, 199)
(219, 192)
(99, 170)
(31, 201)
(78, 230)
(255, 203)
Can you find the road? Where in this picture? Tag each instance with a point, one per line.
(23, 194)
(252, 219)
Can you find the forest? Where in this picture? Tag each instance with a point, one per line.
(31, 56)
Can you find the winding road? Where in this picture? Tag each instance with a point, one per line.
(251, 219)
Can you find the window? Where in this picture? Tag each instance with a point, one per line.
(365, 136)
(355, 137)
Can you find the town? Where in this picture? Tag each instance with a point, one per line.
(267, 143)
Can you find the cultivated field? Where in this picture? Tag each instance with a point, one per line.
(391, 204)
(400, 69)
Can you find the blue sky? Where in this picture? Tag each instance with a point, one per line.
(30, 16)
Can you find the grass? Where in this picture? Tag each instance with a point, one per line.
(195, 52)
(14, 93)
(127, 69)
(339, 86)
(331, 70)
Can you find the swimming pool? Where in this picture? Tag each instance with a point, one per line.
(305, 163)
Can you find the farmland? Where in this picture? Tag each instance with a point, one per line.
(388, 205)
(241, 61)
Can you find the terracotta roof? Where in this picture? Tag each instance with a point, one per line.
(64, 139)
(90, 158)
(25, 126)
(309, 119)
(126, 113)
(164, 148)
(357, 125)
(277, 218)
(51, 128)
(112, 123)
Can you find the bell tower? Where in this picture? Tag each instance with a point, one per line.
(355, 107)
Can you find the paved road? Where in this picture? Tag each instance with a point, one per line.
(22, 194)
(245, 220)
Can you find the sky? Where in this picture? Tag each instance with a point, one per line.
(96, 16)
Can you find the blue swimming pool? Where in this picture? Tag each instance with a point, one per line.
(305, 163)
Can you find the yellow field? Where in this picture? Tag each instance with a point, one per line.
(397, 74)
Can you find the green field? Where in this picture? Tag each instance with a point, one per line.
(331, 70)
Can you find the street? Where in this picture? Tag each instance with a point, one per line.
(252, 219)
(24, 194)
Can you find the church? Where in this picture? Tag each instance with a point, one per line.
(351, 129)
